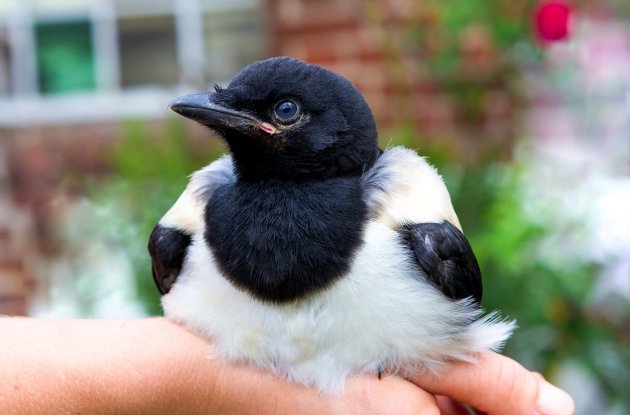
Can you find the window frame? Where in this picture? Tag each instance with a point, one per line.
(25, 106)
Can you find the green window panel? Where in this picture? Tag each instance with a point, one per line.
(65, 57)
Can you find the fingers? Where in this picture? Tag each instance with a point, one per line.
(390, 395)
(498, 385)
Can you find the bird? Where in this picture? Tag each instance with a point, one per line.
(310, 252)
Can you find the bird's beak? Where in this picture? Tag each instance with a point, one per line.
(203, 109)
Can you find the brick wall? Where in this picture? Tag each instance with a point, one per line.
(15, 243)
(15, 277)
(348, 37)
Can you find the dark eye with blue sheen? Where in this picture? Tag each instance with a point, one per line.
(286, 111)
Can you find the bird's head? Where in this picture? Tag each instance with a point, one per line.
(283, 118)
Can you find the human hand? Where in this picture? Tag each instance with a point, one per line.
(498, 385)
(154, 366)
(389, 395)
(494, 385)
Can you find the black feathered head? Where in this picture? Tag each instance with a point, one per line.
(285, 118)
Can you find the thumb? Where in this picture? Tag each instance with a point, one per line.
(497, 385)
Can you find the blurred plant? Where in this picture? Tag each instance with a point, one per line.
(472, 48)
(468, 55)
(473, 52)
(530, 276)
(454, 40)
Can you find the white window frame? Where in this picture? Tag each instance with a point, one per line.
(26, 107)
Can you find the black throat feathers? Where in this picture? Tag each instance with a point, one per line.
(281, 240)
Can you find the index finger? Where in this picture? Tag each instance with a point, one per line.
(497, 385)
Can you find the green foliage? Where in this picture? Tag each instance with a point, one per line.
(452, 32)
(471, 52)
(550, 298)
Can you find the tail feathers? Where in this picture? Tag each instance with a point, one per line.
(491, 332)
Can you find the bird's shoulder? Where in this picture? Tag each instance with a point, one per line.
(203, 183)
(187, 212)
(405, 193)
(171, 237)
(402, 188)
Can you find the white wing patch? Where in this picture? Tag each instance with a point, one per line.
(402, 188)
(187, 214)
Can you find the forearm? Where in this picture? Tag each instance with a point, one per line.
(152, 366)
(135, 366)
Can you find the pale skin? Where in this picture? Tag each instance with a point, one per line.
(153, 366)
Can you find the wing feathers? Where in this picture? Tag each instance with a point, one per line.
(169, 241)
(167, 247)
(447, 258)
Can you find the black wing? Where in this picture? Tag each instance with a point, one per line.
(445, 255)
(167, 247)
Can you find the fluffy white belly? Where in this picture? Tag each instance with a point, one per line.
(383, 314)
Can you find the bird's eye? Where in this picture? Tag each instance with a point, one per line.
(286, 111)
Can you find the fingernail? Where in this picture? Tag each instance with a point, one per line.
(554, 401)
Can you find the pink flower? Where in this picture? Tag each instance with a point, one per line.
(552, 20)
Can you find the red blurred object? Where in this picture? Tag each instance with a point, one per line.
(552, 20)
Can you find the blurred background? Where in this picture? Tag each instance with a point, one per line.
(524, 105)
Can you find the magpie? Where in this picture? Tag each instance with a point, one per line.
(310, 252)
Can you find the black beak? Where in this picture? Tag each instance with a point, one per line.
(203, 109)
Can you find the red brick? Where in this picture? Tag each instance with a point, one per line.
(433, 109)
(12, 283)
(400, 10)
(299, 16)
(294, 48)
(378, 101)
(350, 68)
(13, 306)
(10, 264)
(369, 41)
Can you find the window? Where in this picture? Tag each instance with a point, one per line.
(87, 59)
(147, 51)
(5, 63)
(65, 60)
(129, 8)
(232, 40)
